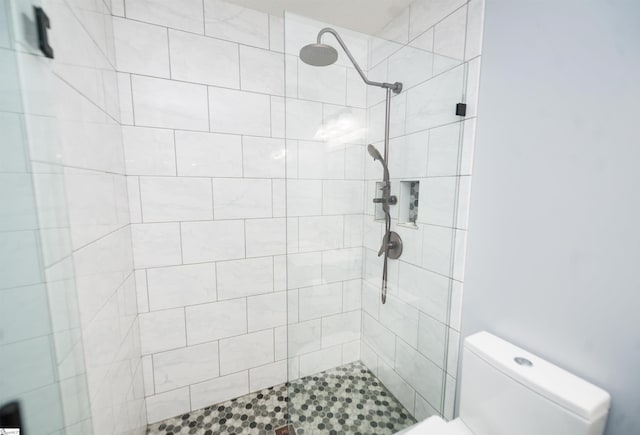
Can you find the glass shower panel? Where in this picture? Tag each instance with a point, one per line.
(354, 363)
(42, 366)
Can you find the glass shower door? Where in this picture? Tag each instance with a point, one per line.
(355, 364)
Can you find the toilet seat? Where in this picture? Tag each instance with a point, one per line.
(437, 426)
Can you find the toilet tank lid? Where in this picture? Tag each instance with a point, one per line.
(567, 390)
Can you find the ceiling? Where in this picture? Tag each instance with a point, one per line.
(367, 16)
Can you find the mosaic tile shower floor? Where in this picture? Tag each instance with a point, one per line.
(345, 400)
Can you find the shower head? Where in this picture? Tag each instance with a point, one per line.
(373, 151)
(318, 54)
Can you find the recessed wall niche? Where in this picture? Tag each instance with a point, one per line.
(408, 202)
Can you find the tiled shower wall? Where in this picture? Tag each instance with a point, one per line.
(325, 127)
(71, 114)
(433, 47)
(202, 93)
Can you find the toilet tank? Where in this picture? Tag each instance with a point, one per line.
(509, 391)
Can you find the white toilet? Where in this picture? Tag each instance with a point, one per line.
(509, 391)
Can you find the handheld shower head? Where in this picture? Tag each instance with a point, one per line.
(373, 152)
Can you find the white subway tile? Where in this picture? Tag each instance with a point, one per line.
(268, 375)
(208, 322)
(398, 387)
(320, 301)
(437, 201)
(124, 96)
(280, 342)
(304, 337)
(342, 197)
(327, 84)
(177, 14)
(160, 406)
(401, 319)
(148, 151)
(411, 66)
(430, 103)
(304, 197)
(242, 198)
(419, 372)
(304, 119)
(266, 237)
(240, 278)
(212, 241)
(278, 117)
(459, 257)
(424, 41)
(156, 245)
(267, 311)
(304, 270)
(208, 154)
(352, 295)
(414, 145)
(276, 33)
(169, 104)
(444, 145)
(173, 287)
(437, 249)
(424, 409)
(353, 231)
(341, 328)
(426, 13)
(341, 264)
(199, 59)
(320, 360)
(351, 352)
(425, 290)
(141, 291)
(475, 22)
(218, 390)
(379, 338)
(450, 35)
(356, 89)
(279, 198)
(263, 157)
(321, 160)
(162, 330)
(239, 112)
(181, 367)
(261, 71)
(175, 199)
(235, 23)
(147, 372)
(246, 351)
(320, 233)
(141, 48)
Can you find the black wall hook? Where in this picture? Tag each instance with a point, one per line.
(42, 23)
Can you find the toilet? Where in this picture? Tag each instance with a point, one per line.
(506, 390)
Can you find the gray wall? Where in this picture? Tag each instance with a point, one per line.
(554, 235)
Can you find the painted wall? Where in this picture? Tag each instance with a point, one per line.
(434, 49)
(554, 242)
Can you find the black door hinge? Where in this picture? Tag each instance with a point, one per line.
(42, 23)
(461, 109)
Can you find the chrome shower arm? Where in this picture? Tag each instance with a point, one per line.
(395, 87)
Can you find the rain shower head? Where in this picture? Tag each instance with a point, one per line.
(373, 151)
(318, 54)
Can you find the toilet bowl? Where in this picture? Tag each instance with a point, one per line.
(506, 390)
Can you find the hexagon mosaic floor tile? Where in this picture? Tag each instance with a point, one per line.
(344, 400)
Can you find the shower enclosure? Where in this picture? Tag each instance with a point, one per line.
(193, 217)
(403, 352)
